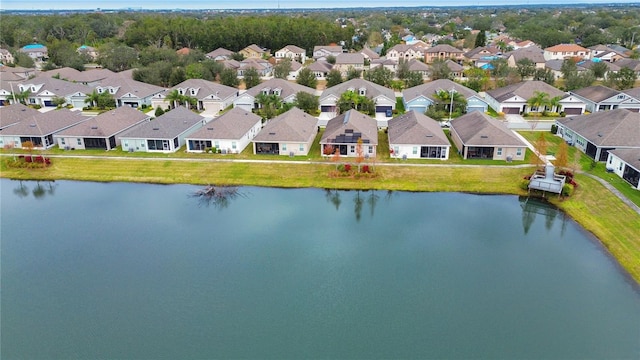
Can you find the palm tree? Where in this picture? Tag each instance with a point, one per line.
(92, 99)
(538, 100)
(554, 102)
(445, 102)
(22, 96)
(174, 98)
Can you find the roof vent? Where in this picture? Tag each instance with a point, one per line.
(156, 128)
(94, 127)
(32, 125)
(209, 128)
(272, 133)
(484, 137)
(429, 135)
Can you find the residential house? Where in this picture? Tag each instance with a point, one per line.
(44, 90)
(292, 52)
(420, 97)
(37, 52)
(230, 133)
(420, 67)
(556, 68)
(344, 131)
(284, 89)
(347, 61)
(88, 77)
(322, 52)
(220, 54)
(588, 64)
(253, 51)
(263, 67)
(16, 73)
(40, 128)
(595, 134)
(413, 135)
(89, 51)
(6, 57)
(512, 99)
(295, 70)
(605, 53)
(634, 97)
(7, 90)
(15, 113)
(102, 131)
(166, 133)
(632, 64)
(369, 54)
(383, 98)
(320, 69)
(601, 98)
(391, 65)
(456, 70)
(566, 51)
(406, 52)
(626, 164)
(443, 52)
(479, 136)
(523, 44)
(482, 55)
(128, 92)
(291, 133)
(533, 53)
(211, 97)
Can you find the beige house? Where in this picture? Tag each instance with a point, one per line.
(6, 57)
(292, 52)
(253, 51)
(291, 133)
(347, 61)
(443, 52)
(566, 51)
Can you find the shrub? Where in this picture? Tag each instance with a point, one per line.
(567, 190)
(341, 168)
(554, 129)
(366, 169)
(347, 167)
(524, 183)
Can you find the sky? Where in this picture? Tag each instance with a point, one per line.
(263, 4)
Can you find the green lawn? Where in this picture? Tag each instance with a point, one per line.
(584, 163)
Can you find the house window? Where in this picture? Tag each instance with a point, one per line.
(415, 150)
(370, 149)
(362, 91)
(99, 90)
(284, 147)
(301, 148)
(620, 167)
(126, 145)
(499, 153)
(216, 144)
(519, 152)
(61, 141)
(193, 91)
(353, 148)
(112, 91)
(79, 141)
(233, 145)
(610, 159)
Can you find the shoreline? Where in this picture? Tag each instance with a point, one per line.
(592, 206)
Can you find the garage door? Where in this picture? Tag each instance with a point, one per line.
(418, 109)
(511, 110)
(476, 108)
(572, 111)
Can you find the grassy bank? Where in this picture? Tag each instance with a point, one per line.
(593, 206)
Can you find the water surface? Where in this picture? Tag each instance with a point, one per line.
(128, 271)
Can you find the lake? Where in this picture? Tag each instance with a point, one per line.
(139, 271)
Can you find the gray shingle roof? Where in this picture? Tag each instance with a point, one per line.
(287, 88)
(431, 88)
(373, 90)
(293, 126)
(479, 129)
(15, 113)
(351, 120)
(618, 127)
(108, 123)
(415, 128)
(206, 88)
(58, 87)
(596, 93)
(47, 123)
(525, 90)
(349, 58)
(126, 85)
(71, 74)
(634, 93)
(167, 126)
(630, 156)
(532, 53)
(320, 65)
(444, 48)
(219, 52)
(231, 125)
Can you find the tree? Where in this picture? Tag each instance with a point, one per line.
(526, 67)
(440, 70)
(413, 79)
(307, 78)
(545, 75)
(306, 102)
(159, 112)
(331, 59)
(562, 156)
(177, 76)
(22, 96)
(58, 101)
(568, 68)
(579, 80)
(599, 69)
(174, 98)
(117, 57)
(538, 101)
(229, 77)
(481, 39)
(626, 78)
(251, 78)
(402, 70)
(540, 146)
(23, 60)
(269, 105)
(499, 69)
(478, 79)
(282, 69)
(353, 73)
(380, 75)
(92, 99)
(352, 100)
(334, 77)
(359, 153)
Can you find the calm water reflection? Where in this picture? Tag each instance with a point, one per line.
(129, 271)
